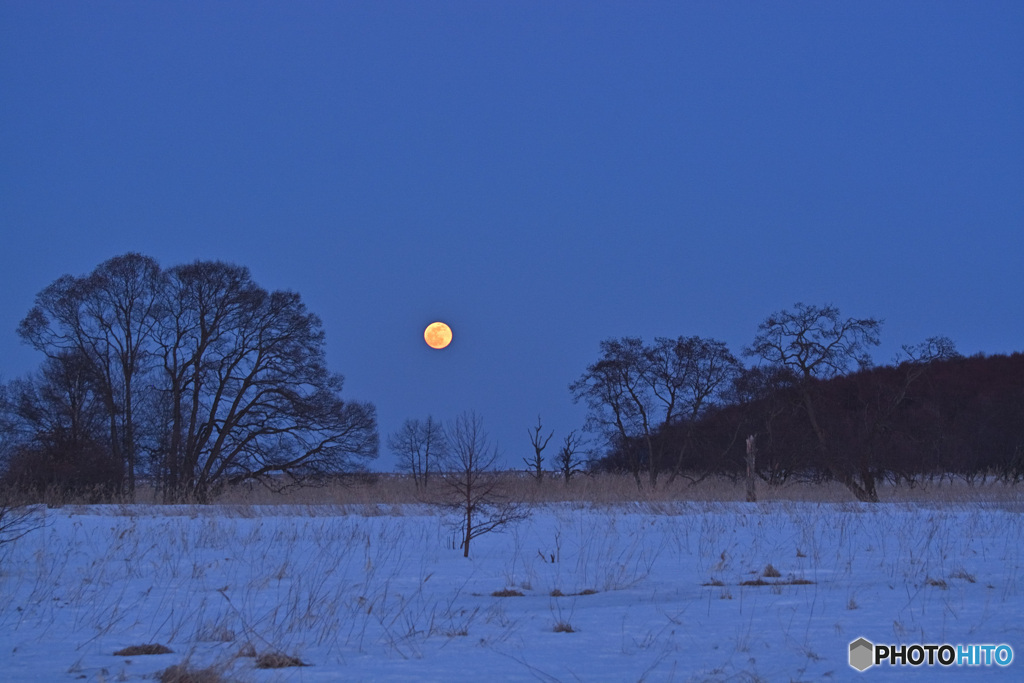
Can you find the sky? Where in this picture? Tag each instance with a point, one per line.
(541, 176)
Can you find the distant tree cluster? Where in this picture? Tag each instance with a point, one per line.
(192, 377)
(814, 407)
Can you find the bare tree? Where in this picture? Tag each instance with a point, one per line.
(817, 343)
(250, 394)
(635, 392)
(536, 463)
(472, 485)
(221, 380)
(55, 423)
(616, 392)
(419, 446)
(107, 318)
(688, 374)
(568, 464)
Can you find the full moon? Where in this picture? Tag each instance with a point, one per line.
(437, 335)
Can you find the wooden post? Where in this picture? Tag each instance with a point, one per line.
(751, 471)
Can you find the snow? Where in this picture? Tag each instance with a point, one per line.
(379, 593)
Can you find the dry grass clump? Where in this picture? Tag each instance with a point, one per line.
(963, 574)
(149, 649)
(277, 660)
(563, 627)
(938, 583)
(507, 593)
(791, 581)
(557, 593)
(771, 572)
(180, 673)
(757, 582)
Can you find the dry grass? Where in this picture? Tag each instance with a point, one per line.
(563, 627)
(277, 660)
(507, 593)
(383, 494)
(963, 574)
(149, 649)
(180, 673)
(792, 581)
(389, 489)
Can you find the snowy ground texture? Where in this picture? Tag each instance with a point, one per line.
(610, 593)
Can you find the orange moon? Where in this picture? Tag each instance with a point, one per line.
(437, 335)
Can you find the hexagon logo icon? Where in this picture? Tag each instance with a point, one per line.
(862, 654)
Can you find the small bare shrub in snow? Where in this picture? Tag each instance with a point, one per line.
(472, 486)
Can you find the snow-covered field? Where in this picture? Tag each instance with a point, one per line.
(610, 593)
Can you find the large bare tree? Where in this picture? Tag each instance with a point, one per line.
(817, 343)
(232, 379)
(249, 391)
(107, 318)
(634, 392)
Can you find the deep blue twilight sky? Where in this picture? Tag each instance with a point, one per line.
(540, 175)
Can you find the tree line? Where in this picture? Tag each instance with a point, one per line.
(190, 377)
(813, 406)
(195, 377)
